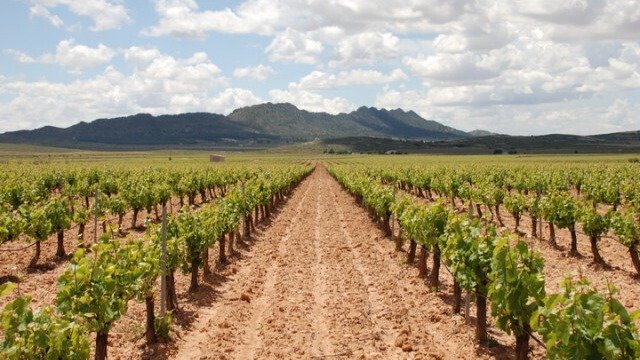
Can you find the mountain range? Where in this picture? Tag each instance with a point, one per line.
(366, 129)
(265, 124)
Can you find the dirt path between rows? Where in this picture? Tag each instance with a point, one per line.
(322, 282)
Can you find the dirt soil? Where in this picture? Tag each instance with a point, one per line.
(321, 281)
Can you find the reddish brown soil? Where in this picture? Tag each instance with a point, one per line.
(322, 282)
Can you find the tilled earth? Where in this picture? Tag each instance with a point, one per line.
(321, 281)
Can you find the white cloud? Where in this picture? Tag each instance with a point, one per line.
(408, 100)
(311, 101)
(294, 46)
(38, 10)
(365, 48)
(450, 67)
(231, 99)
(585, 19)
(622, 115)
(468, 62)
(562, 12)
(141, 56)
(319, 80)
(260, 72)
(182, 18)
(158, 84)
(580, 117)
(106, 15)
(20, 57)
(75, 58)
(165, 76)
(78, 58)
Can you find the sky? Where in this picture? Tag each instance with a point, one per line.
(521, 67)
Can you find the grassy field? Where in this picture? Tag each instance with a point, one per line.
(29, 154)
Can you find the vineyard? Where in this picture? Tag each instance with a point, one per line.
(370, 257)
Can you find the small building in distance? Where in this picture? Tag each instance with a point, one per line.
(216, 158)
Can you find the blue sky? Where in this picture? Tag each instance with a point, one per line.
(517, 67)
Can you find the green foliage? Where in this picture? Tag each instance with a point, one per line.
(6, 288)
(601, 190)
(515, 204)
(534, 206)
(561, 209)
(59, 214)
(627, 229)
(593, 223)
(143, 263)
(135, 194)
(117, 205)
(10, 226)
(580, 323)
(194, 238)
(468, 250)
(40, 334)
(516, 287)
(37, 224)
(81, 215)
(373, 194)
(95, 288)
(173, 254)
(436, 218)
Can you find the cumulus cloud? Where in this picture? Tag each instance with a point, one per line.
(38, 10)
(20, 57)
(319, 80)
(469, 63)
(141, 57)
(260, 72)
(622, 114)
(74, 57)
(365, 48)
(80, 57)
(450, 67)
(312, 101)
(183, 18)
(106, 15)
(231, 99)
(582, 117)
(586, 19)
(158, 84)
(294, 46)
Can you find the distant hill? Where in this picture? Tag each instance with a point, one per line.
(143, 129)
(287, 121)
(364, 130)
(478, 132)
(259, 125)
(626, 142)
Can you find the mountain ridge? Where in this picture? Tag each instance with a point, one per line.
(368, 129)
(266, 123)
